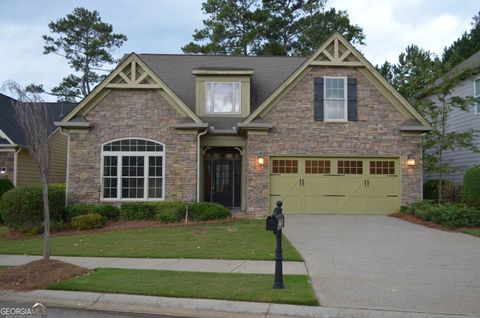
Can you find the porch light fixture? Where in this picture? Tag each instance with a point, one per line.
(3, 171)
(261, 161)
(411, 160)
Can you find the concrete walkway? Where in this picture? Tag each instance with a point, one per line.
(381, 262)
(173, 264)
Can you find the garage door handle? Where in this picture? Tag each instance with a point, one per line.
(392, 196)
(334, 195)
(274, 195)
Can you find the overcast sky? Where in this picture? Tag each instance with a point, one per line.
(163, 26)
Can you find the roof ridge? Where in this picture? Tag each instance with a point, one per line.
(224, 55)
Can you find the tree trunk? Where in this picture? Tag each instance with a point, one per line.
(46, 220)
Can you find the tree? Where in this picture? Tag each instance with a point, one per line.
(318, 24)
(35, 122)
(464, 47)
(87, 44)
(266, 27)
(229, 29)
(436, 108)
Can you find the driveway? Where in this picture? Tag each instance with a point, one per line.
(380, 262)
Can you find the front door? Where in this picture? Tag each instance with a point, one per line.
(222, 182)
(222, 177)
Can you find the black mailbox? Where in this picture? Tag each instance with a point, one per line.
(272, 223)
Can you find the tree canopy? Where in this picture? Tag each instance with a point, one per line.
(265, 27)
(86, 42)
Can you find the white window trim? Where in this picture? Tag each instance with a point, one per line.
(476, 107)
(325, 78)
(223, 113)
(119, 155)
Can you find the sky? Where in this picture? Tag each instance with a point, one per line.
(164, 26)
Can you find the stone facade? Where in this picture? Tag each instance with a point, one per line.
(7, 162)
(130, 114)
(376, 133)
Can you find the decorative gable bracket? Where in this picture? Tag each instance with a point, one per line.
(336, 53)
(133, 75)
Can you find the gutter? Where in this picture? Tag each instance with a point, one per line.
(200, 134)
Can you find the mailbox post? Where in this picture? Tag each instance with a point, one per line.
(275, 223)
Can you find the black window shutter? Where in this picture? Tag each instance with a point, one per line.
(318, 98)
(352, 99)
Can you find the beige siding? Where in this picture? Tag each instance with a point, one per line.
(27, 172)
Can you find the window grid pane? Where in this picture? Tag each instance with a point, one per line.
(317, 166)
(284, 166)
(382, 167)
(350, 167)
(130, 183)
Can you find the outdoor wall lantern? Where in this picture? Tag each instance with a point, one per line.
(411, 160)
(3, 171)
(260, 158)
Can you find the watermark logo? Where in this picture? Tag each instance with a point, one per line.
(23, 310)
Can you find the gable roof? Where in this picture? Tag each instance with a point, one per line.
(8, 117)
(176, 71)
(337, 51)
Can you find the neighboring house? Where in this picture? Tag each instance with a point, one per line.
(16, 163)
(460, 120)
(324, 134)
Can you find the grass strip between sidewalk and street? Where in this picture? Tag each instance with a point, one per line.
(474, 232)
(242, 240)
(2, 267)
(227, 286)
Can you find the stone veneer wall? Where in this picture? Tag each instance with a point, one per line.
(7, 161)
(295, 132)
(129, 114)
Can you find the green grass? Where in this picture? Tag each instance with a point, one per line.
(229, 286)
(243, 239)
(2, 267)
(475, 232)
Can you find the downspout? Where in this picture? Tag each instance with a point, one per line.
(15, 165)
(198, 162)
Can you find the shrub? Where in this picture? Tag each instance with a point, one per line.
(109, 212)
(470, 193)
(170, 211)
(449, 215)
(5, 185)
(137, 211)
(205, 211)
(450, 190)
(22, 207)
(87, 221)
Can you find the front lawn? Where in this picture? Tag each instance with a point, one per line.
(243, 239)
(228, 286)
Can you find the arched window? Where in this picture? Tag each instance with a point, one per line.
(133, 169)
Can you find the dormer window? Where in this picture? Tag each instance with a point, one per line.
(223, 97)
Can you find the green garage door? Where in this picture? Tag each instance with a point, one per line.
(335, 185)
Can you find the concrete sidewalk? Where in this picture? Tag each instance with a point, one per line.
(174, 264)
(187, 307)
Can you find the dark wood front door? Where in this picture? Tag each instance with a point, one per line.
(222, 182)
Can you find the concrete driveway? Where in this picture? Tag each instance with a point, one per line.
(380, 262)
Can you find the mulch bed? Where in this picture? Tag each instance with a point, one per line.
(38, 274)
(113, 226)
(413, 219)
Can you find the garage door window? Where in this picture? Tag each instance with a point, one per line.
(317, 166)
(350, 167)
(382, 167)
(285, 166)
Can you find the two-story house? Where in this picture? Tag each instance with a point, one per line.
(324, 134)
(458, 120)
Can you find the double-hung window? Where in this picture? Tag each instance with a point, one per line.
(476, 94)
(335, 98)
(222, 97)
(133, 169)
